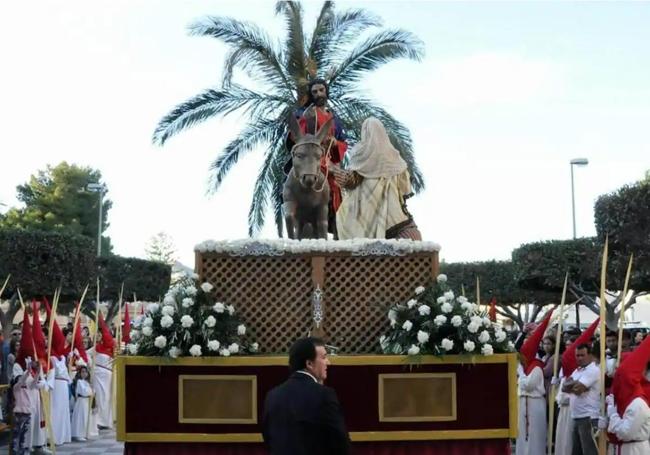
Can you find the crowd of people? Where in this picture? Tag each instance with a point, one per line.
(578, 420)
(66, 397)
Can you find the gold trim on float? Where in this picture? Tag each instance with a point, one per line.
(355, 436)
(381, 377)
(348, 360)
(513, 400)
(251, 379)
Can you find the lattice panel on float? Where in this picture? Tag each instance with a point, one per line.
(272, 295)
(358, 291)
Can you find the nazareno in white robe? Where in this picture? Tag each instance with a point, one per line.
(60, 402)
(564, 428)
(102, 383)
(37, 435)
(81, 409)
(531, 439)
(632, 428)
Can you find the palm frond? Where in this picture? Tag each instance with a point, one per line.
(206, 105)
(377, 50)
(253, 50)
(353, 111)
(294, 48)
(254, 134)
(320, 37)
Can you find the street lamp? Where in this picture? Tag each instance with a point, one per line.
(101, 189)
(575, 162)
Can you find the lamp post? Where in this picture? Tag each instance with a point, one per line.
(576, 162)
(101, 189)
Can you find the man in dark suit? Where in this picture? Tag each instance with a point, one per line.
(302, 416)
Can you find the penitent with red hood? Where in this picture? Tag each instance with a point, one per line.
(532, 403)
(628, 407)
(102, 377)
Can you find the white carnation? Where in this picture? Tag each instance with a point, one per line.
(447, 307)
(195, 350)
(469, 346)
(466, 306)
(447, 344)
(423, 337)
(241, 329)
(207, 287)
(153, 308)
(210, 321)
(476, 320)
(511, 346)
(500, 336)
(408, 325)
(392, 315)
(187, 321)
(442, 278)
(487, 322)
(456, 321)
(148, 322)
(135, 334)
(190, 290)
(225, 352)
(484, 336)
(254, 347)
(487, 349)
(168, 310)
(440, 320)
(449, 295)
(233, 348)
(147, 331)
(231, 309)
(169, 300)
(424, 310)
(187, 302)
(441, 299)
(166, 321)
(160, 342)
(219, 307)
(462, 299)
(133, 349)
(413, 350)
(214, 345)
(411, 303)
(419, 290)
(473, 327)
(174, 352)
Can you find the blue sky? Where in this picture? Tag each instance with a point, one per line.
(507, 94)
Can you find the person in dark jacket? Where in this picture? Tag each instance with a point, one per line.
(302, 416)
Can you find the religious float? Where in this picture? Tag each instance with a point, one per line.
(417, 369)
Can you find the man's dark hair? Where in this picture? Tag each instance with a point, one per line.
(611, 333)
(303, 349)
(584, 346)
(317, 81)
(627, 335)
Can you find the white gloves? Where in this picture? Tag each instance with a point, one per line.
(602, 423)
(555, 380)
(609, 399)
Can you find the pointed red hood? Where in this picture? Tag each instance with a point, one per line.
(58, 339)
(78, 342)
(629, 380)
(569, 363)
(39, 337)
(530, 347)
(492, 312)
(107, 345)
(126, 329)
(26, 341)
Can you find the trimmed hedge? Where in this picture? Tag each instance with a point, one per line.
(149, 280)
(624, 216)
(497, 279)
(543, 265)
(40, 261)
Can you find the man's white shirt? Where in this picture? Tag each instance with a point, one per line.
(588, 403)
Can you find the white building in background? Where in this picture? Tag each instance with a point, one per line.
(640, 312)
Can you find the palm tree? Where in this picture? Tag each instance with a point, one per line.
(283, 70)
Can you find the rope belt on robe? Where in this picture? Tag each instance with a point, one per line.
(527, 418)
(106, 368)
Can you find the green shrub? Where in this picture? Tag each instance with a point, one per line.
(149, 280)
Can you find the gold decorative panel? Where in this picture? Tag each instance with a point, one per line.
(217, 399)
(417, 397)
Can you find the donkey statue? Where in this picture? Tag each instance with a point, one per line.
(306, 193)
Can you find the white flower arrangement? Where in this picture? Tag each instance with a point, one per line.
(189, 323)
(419, 290)
(207, 287)
(441, 323)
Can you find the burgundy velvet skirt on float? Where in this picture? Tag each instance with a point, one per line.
(460, 447)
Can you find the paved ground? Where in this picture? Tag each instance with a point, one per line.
(106, 444)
